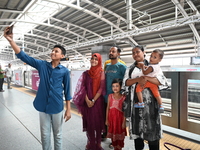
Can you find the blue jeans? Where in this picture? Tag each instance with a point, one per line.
(46, 122)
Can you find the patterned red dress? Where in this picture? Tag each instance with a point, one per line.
(115, 119)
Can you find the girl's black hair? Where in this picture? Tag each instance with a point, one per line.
(117, 80)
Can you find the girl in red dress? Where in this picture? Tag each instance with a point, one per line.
(115, 119)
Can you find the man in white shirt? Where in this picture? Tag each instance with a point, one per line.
(9, 74)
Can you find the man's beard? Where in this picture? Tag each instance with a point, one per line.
(110, 57)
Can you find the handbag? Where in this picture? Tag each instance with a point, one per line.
(166, 143)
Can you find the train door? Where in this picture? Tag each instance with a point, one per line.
(182, 101)
(190, 101)
(170, 100)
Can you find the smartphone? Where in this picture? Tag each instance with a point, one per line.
(10, 31)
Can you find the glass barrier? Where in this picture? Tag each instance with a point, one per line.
(193, 101)
(166, 99)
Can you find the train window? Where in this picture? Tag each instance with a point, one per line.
(194, 100)
(166, 99)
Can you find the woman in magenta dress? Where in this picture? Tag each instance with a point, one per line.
(88, 98)
(115, 119)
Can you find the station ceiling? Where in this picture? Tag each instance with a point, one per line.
(80, 25)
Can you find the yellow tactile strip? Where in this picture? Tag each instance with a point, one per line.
(166, 137)
(33, 93)
(179, 142)
(25, 90)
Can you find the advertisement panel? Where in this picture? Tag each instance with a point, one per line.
(75, 75)
(35, 80)
(18, 77)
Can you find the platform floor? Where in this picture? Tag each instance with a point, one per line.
(19, 126)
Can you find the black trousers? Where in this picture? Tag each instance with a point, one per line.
(1, 83)
(153, 145)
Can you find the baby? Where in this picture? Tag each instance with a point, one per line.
(150, 71)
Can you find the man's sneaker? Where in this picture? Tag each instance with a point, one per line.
(161, 109)
(139, 105)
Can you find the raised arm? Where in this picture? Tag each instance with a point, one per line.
(36, 63)
(147, 70)
(9, 37)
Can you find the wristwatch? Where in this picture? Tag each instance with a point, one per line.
(93, 100)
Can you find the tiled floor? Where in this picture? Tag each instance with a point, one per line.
(19, 126)
(179, 142)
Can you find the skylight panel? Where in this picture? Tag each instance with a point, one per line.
(36, 13)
